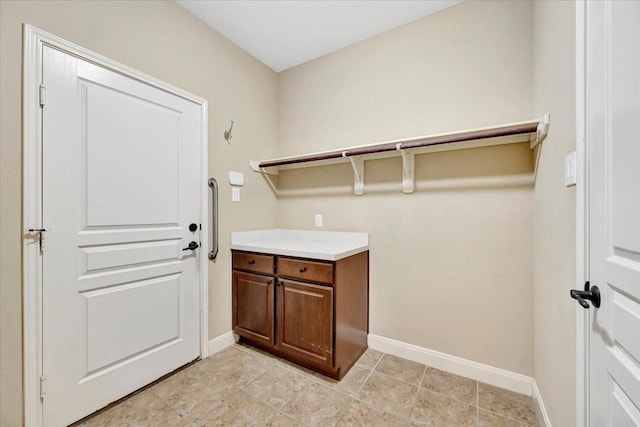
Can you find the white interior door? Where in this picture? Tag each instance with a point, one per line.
(613, 138)
(121, 185)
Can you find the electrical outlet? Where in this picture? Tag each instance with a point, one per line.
(318, 220)
(235, 194)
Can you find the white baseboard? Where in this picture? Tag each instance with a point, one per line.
(541, 411)
(456, 365)
(221, 342)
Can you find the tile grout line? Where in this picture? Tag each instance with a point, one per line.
(522, 423)
(311, 379)
(415, 402)
(389, 376)
(477, 403)
(186, 416)
(449, 396)
(346, 409)
(273, 361)
(239, 388)
(275, 411)
(371, 371)
(355, 395)
(217, 406)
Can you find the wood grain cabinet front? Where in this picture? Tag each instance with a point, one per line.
(248, 261)
(253, 303)
(308, 271)
(312, 312)
(305, 320)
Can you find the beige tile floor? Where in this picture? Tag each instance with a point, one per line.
(242, 386)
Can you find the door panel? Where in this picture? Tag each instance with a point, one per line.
(623, 411)
(305, 321)
(625, 324)
(103, 257)
(613, 113)
(114, 162)
(121, 184)
(148, 311)
(624, 125)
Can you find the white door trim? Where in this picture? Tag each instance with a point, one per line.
(33, 41)
(582, 219)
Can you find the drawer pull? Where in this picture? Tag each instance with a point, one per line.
(303, 269)
(252, 261)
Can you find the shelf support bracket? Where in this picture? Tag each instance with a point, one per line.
(357, 163)
(255, 166)
(541, 133)
(408, 171)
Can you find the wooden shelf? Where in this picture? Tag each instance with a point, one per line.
(532, 131)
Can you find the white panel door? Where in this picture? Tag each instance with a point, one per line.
(613, 137)
(121, 184)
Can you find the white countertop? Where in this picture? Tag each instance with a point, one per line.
(325, 245)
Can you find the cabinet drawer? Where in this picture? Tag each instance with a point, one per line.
(253, 262)
(306, 270)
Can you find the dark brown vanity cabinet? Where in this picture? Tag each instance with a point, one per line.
(312, 312)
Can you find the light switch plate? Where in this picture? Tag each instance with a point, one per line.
(318, 220)
(570, 170)
(235, 194)
(236, 178)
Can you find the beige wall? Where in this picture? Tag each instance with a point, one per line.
(165, 41)
(554, 223)
(450, 264)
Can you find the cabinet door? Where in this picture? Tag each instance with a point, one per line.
(253, 307)
(305, 321)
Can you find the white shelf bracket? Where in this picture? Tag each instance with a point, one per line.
(357, 163)
(408, 171)
(541, 133)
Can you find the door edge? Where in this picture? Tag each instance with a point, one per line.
(582, 218)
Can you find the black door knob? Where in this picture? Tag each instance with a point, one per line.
(591, 293)
(192, 246)
(193, 227)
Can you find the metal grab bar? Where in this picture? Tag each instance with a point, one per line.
(213, 184)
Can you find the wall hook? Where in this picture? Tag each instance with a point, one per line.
(227, 133)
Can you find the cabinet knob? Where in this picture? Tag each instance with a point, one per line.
(303, 269)
(252, 261)
(268, 282)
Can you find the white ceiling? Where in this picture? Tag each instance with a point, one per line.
(283, 34)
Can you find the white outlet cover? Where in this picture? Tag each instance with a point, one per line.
(570, 178)
(318, 220)
(235, 194)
